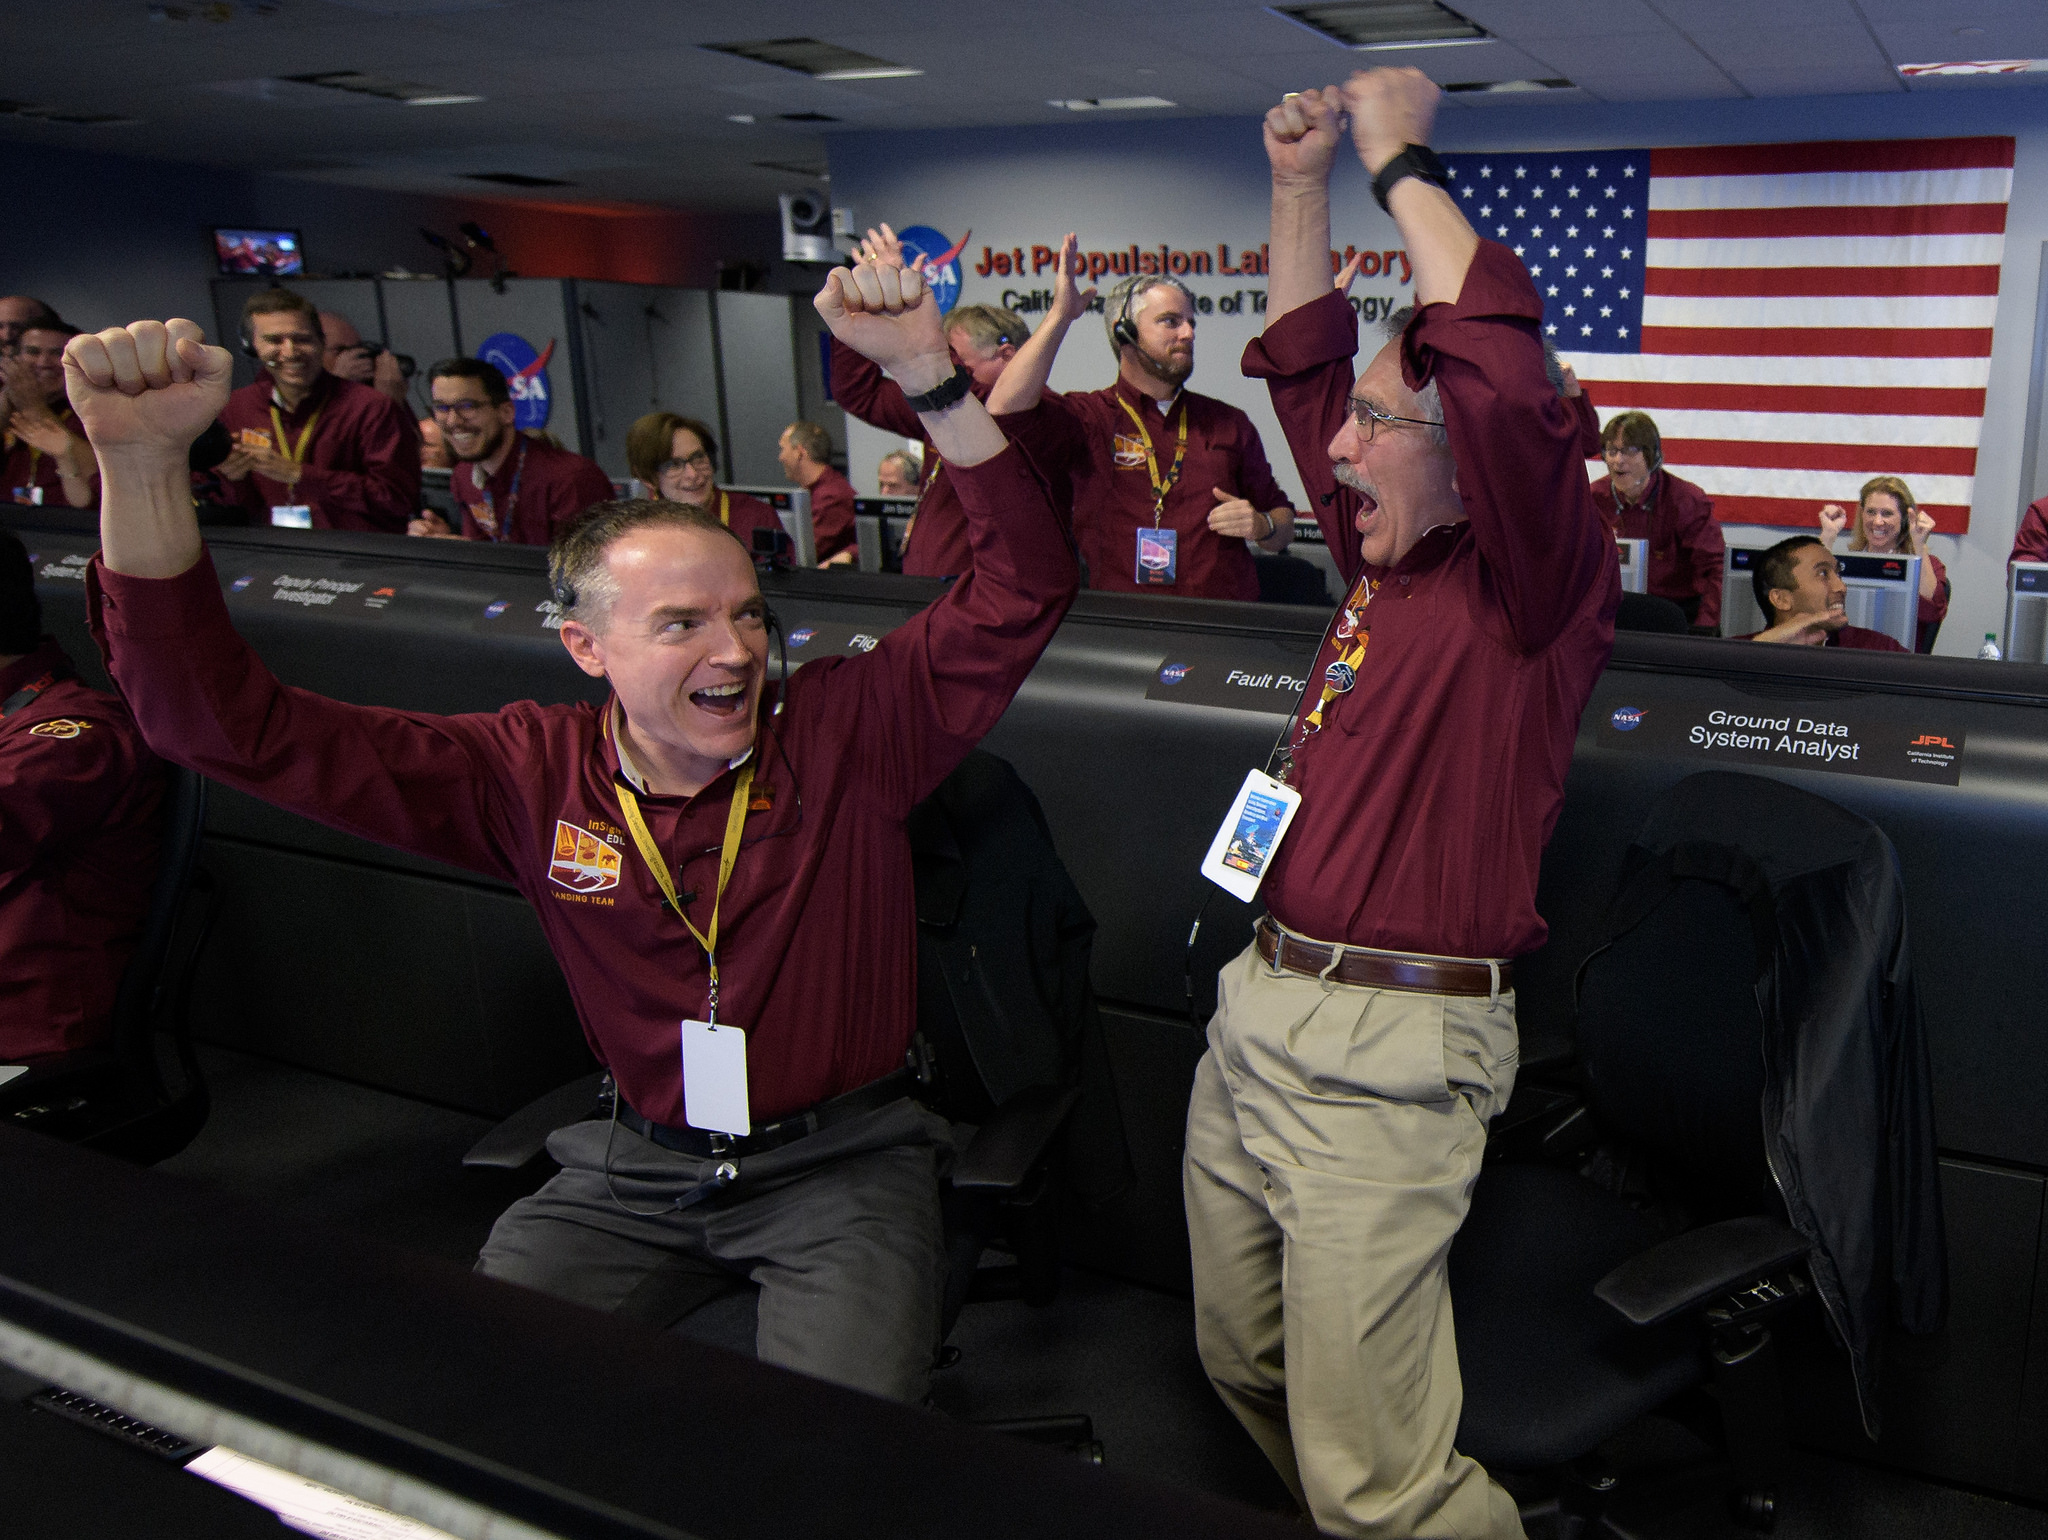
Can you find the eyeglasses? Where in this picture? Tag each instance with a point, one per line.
(1369, 417)
(700, 461)
(461, 408)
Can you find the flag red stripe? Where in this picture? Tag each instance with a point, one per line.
(1855, 400)
(1822, 341)
(1799, 512)
(1842, 220)
(1769, 454)
(1747, 281)
(1994, 150)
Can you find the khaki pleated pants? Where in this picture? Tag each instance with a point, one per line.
(1333, 1140)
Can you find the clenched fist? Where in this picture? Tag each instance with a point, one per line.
(146, 390)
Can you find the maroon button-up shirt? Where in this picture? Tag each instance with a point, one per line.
(81, 823)
(1091, 439)
(818, 928)
(362, 465)
(28, 468)
(556, 487)
(2030, 540)
(1686, 548)
(743, 514)
(1848, 636)
(832, 514)
(1430, 791)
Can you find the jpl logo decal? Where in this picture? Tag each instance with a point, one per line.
(526, 372)
(1627, 719)
(1173, 673)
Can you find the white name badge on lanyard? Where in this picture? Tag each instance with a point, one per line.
(1250, 835)
(715, 1078)
(291, 516)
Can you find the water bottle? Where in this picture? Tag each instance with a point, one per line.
(1990, 647)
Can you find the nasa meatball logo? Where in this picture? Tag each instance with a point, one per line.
(1627, 719)
(241, 583)
(801, 635)
(526, 372)
(1173, 673)
(941, 261)
(494, 609)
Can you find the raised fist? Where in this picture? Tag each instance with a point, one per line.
(1834, 518)
(1923, 526)
(147, 388)
(1303, 132)
(1390, 110)
(888, 315)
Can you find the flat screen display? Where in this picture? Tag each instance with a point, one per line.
(259, 253)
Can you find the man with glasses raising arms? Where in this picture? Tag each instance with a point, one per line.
(513, 489)
(1362, 1043)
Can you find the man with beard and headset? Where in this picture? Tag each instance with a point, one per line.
(721, 867)
(1171, 488)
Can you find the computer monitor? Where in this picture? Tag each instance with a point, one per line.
(2026, 612)
(880, 526)
(259, 253)
(792, 505)
(1635, 565)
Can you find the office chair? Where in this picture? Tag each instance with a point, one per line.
(116, 1097)
(1649, 612)
(1285, 579)
(1628, 1249)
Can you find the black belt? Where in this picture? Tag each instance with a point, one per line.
(771, 1136)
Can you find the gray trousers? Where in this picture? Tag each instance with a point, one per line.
(840, 1231)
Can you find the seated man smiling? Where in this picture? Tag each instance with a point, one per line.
(706, 849)
(1799, 587)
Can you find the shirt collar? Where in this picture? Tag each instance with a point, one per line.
(314, 397)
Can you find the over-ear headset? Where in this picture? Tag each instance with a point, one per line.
(1125, 332)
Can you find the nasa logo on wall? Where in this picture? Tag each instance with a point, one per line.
(526, 372)
(941, 261)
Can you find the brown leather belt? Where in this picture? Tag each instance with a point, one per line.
(1380, 970)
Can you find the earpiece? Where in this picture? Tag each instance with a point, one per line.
(782, 651)
(248, 339)
(1125, 332)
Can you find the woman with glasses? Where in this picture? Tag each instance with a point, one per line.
(676, 459)
(1643, 501)
(1890, 522)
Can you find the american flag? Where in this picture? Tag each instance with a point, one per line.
(1797, 317)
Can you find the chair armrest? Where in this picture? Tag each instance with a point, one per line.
(1000, 1156)
(1689, 1270)
(524, 1135)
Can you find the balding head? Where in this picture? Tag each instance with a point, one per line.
(16, 311)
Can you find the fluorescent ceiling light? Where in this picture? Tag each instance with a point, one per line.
(1382, 23)
(820, 61)
(1497, 87)
(1421, 42)
(1977, 67)
(1111, 103)
(440, 101)
(356, 83)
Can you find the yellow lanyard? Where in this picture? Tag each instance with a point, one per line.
(297, 455)
(1341, 675)
(724, 509)
(1180, 453)
(728, 857)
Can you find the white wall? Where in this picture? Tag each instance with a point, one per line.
(1192, 183)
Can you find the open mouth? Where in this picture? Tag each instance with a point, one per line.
(721, 700)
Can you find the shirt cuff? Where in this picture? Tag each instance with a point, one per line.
(1311, 336)
(156, 609)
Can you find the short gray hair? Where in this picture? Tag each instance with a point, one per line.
(579, 576)
(1432, 401)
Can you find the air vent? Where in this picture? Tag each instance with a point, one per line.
(806, 117)
(820, 61)
(1385, 23)
(1509, 87)
(411, 93)
(514, 179)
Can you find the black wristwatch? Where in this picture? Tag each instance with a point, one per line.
(939, 397)
(1417, 160)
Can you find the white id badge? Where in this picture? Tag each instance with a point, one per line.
(1250, 835)
(715, 1078)
(291, 516)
